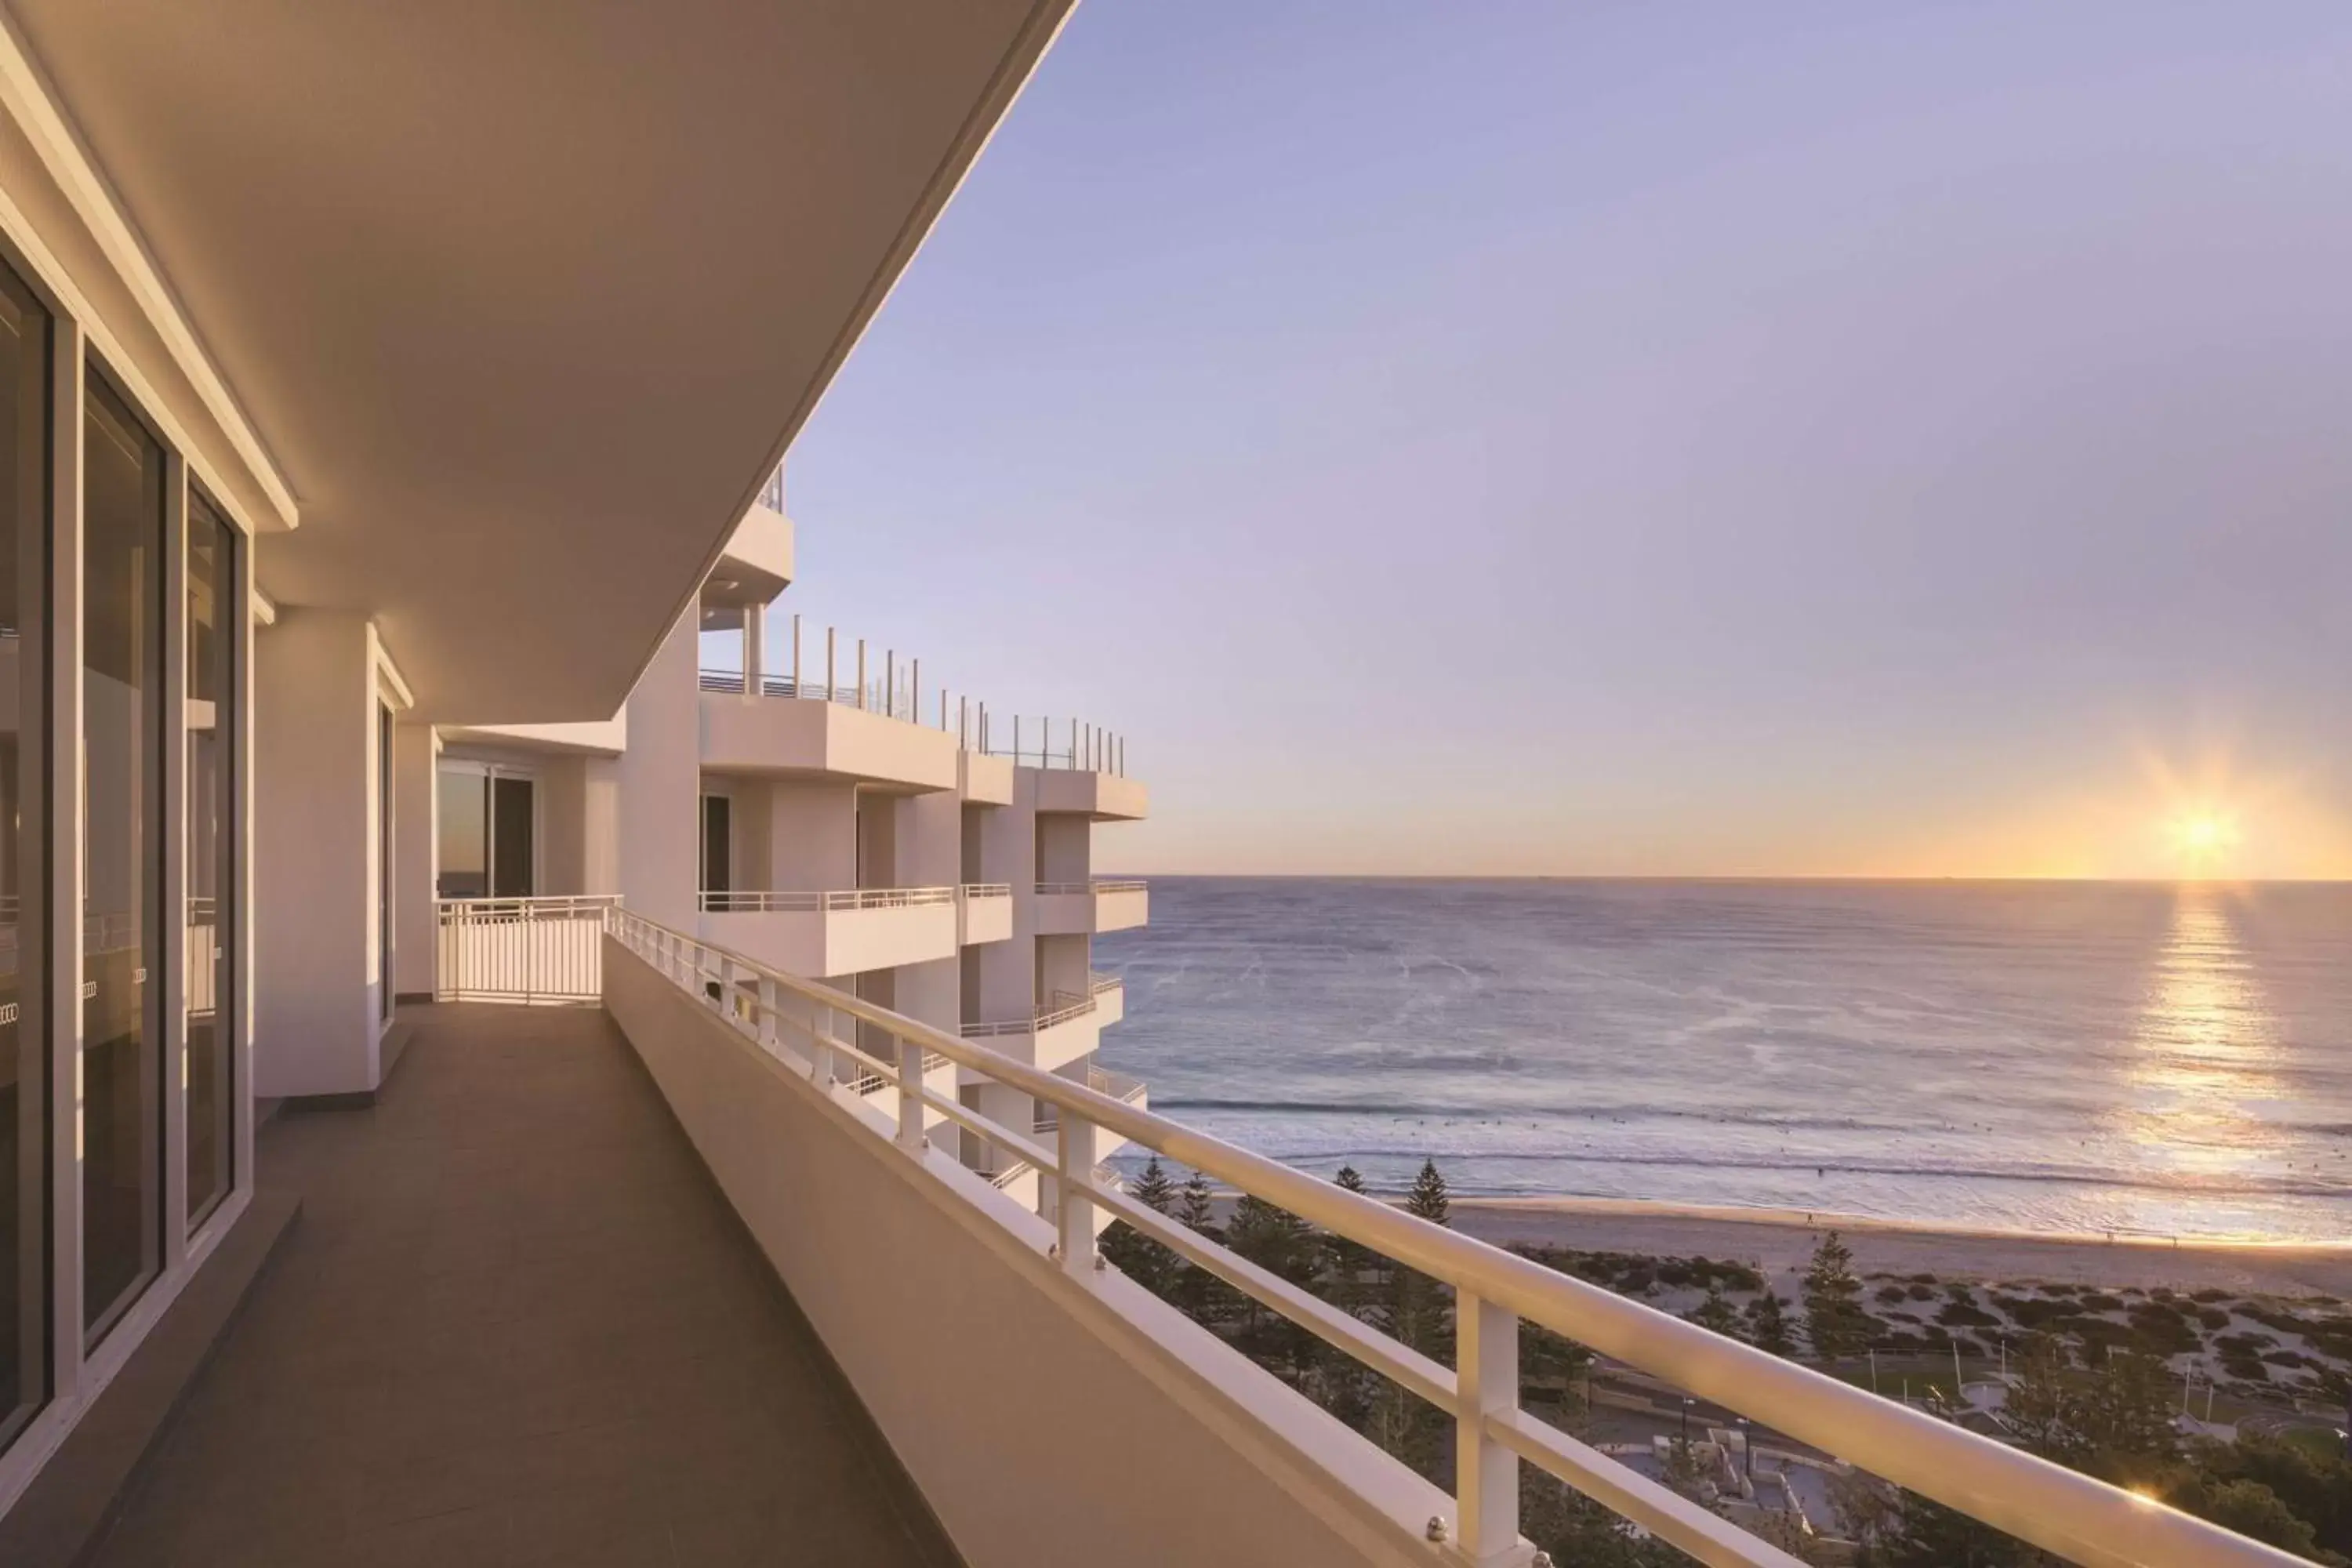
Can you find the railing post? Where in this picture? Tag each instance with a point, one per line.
(828, 663)
(890, 683)
(861, 673)
(910, 1097)
(768, 1014)
(796, 656)
(1074, 1192)
(1486, 1383)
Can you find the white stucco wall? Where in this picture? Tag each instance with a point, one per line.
(658, 778)
(415, 806)
(812, 836)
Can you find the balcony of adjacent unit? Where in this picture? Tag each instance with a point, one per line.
(984, 913)
(777, 705)
(1109, 991)
(1046, 1123)
(847, 931)
(1092, 907)
(1074, 767)
(1059, 1031)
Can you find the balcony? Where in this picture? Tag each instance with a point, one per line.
(1103, 797)
(792, 730)
(984, 913)
(516, 1322)
(983, 780)
(833, 934)
(1109, 991)
(1060, 1033)
(1091, 909)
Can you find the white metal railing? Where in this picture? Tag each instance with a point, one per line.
(771, 493)
(1126, 1091)
(774, 902)
(978, 890)
(1098, 983)
(2044, 1504)
(1097, 885)
(898, 692)
(1087, 748)
(521, 949)
(1065, 1007)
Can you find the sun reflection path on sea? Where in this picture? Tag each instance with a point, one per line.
(2204, 1060)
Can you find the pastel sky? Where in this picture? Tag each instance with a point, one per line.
(1633, 439)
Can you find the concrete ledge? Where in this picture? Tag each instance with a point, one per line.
(924, 1530)
(935, 1295)
(75, 1500)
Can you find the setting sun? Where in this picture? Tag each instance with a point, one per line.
(2204, 836)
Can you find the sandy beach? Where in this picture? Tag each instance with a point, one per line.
(1780, 1241)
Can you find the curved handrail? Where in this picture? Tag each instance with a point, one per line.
(2061, 1510)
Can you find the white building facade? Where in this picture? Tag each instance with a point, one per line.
(390, 399)
(812, 804)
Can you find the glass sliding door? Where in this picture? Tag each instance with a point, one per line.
(718, 844)
(463, 860)
(212, 697)
(488, 843)
(24, 339)
(513, 856)
(122, 855)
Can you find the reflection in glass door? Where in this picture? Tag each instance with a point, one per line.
(487, 847)
(211, 868)
(122, 727)
(23, 863)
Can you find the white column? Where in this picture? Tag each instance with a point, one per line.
(755, 649)
(415, 851)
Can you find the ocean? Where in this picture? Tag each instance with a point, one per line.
(2054, 1056)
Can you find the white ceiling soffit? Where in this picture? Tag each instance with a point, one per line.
(526, 300)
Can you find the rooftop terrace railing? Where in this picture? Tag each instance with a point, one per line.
(2044, 1504)
(1094, 884)
(897, 691)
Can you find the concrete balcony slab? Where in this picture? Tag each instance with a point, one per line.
(1104, 797)
(983, 914)
(793, 737)
(826, 934)
(1090, 909)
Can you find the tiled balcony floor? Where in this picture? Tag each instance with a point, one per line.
(516, 1324)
